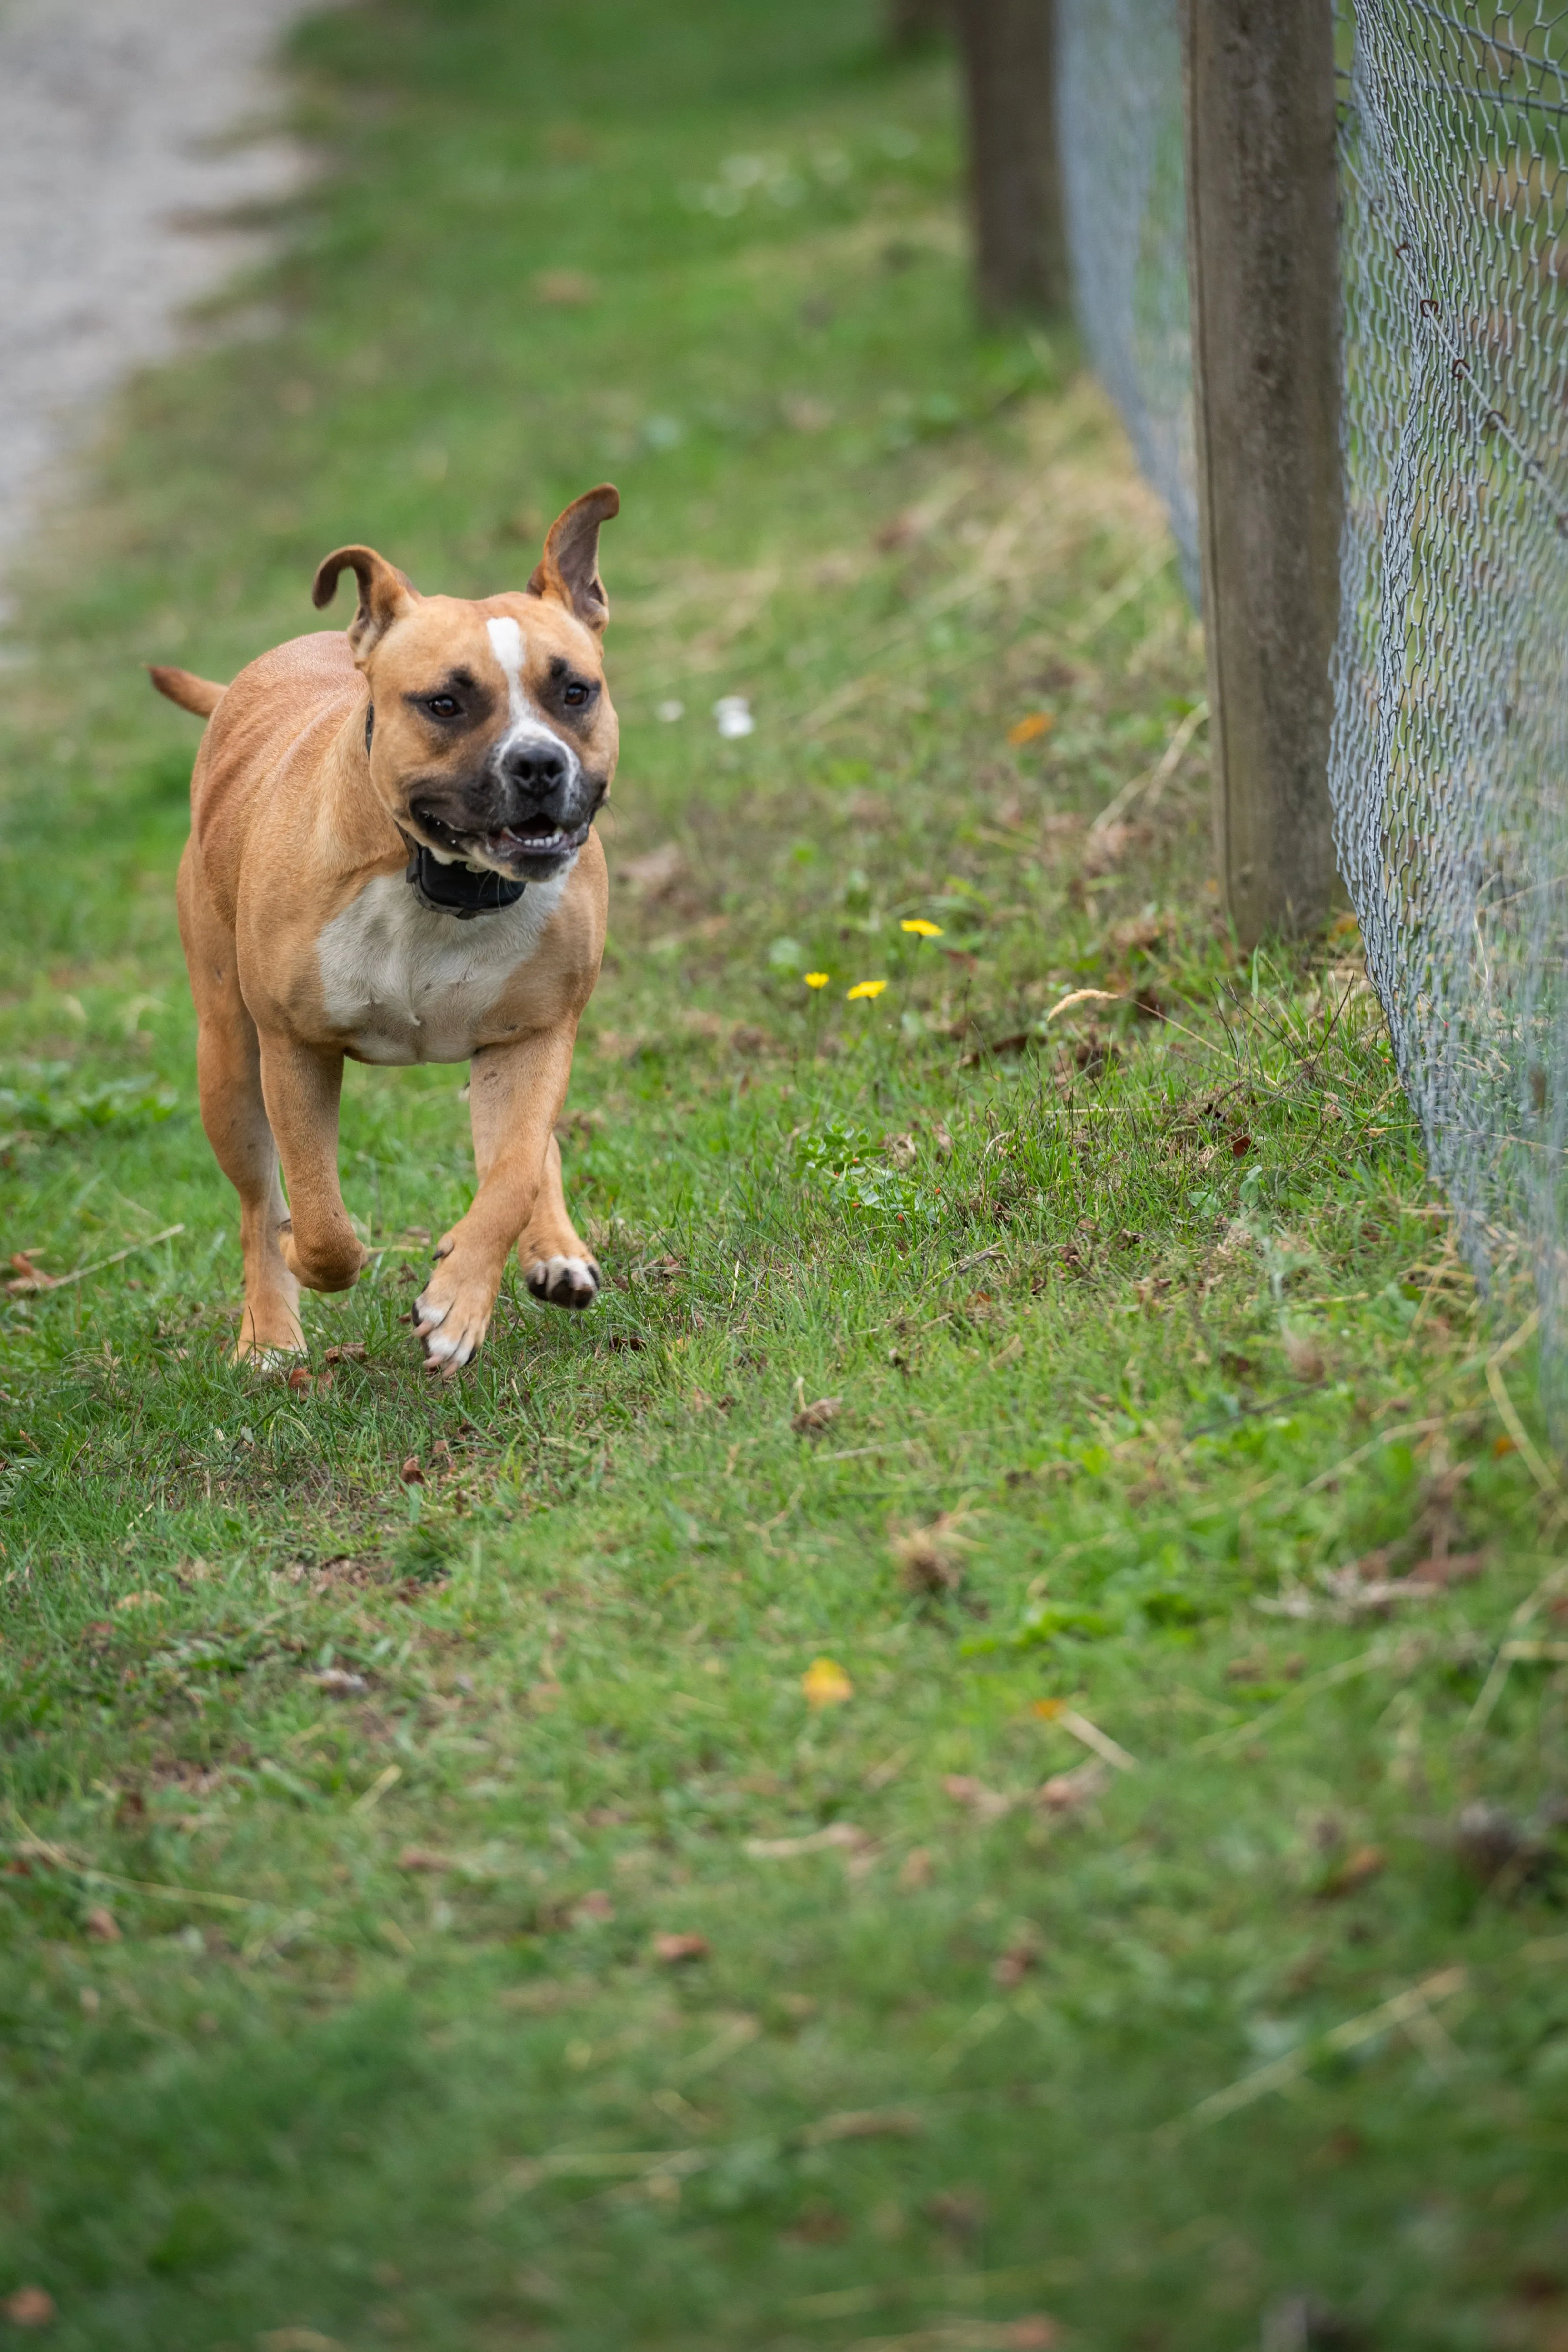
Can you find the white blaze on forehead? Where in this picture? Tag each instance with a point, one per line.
(507, 643)
(525, 723)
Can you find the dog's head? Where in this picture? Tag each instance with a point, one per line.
(491, 735)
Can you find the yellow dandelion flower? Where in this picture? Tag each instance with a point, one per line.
(825, 1683)
(816, 978)
(864, 988)
(921, 928)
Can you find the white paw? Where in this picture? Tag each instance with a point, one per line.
(453, 1327)
(564, 1281)
(281, 1360)
(448, 1346)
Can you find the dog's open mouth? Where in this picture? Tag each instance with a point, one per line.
(534, 843)
(520, 846)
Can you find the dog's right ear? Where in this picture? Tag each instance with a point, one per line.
(384, 594)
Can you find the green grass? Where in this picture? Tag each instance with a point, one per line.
(1154, 1307)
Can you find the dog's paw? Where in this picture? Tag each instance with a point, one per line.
(564, 1281)
(451, 1317)
(279, 1361)
(271, 1338)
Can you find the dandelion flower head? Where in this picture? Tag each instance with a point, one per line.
(922, 928)
(815, 979)
(864, 988)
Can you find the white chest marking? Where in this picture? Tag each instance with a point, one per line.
(403, 983)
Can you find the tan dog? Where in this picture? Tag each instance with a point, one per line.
(392, 858)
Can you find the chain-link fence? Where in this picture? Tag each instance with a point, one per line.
(1449, 763)
(1124, 189)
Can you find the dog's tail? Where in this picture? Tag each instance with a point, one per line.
(199, 695)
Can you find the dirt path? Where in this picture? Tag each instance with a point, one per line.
(128, 130)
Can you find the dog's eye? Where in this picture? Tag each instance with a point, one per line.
(442, 706)
(576, 695)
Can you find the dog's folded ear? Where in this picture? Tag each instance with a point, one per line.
(569, 570)
(384, 594)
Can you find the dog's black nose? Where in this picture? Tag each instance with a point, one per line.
(539, 769)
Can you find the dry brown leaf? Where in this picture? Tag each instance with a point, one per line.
(351, 1351)
(675, 1951)
(928, 1556)
(566, 289)
(101, 1926)
(1014, 1965)
(1303, 1354)
(960, 2212)
(339, 1683)
(865, 2123)
(655, 873)
(1108, 844)
(1064, 1791)
(30, 2306)
(987, 1804)
(784, 1849)
(812, 1418)
(1252, 1668)
(1355, 1871)
(29, 1276)
(410, 1474)
(1450, 1568)
(425, 1858)
(902, 531)
(592, 1909)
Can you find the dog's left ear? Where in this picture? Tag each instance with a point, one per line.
(384, 594)
(569, 569)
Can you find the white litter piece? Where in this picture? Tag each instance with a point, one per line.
(732, 716)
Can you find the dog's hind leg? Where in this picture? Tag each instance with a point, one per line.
(229, 1076)
(557, 1266)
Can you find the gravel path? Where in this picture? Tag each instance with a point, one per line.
(128, 129)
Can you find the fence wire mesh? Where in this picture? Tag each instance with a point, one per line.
(1449, 762)
(1124, 191)
(1449, 767)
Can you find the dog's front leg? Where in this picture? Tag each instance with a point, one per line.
(516, 1093)
(301, 1085)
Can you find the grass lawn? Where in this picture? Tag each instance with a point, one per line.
(872, 1791)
